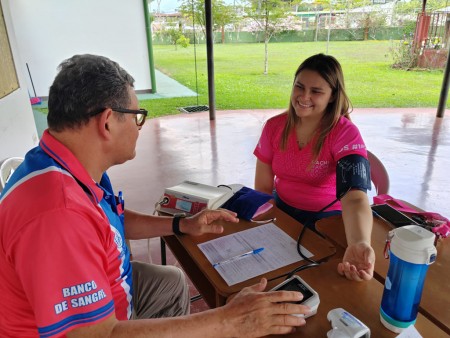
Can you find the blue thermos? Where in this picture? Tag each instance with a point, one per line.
(411, 251)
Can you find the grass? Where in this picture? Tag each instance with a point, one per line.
(241, 84)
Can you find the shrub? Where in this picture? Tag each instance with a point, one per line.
(403, 54)
(183, 41)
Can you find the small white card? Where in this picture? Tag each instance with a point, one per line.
(410, 332)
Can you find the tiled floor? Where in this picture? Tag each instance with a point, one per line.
(413, 144)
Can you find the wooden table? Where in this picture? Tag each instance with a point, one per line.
(361, 299)
(435, 303)
(208, 281)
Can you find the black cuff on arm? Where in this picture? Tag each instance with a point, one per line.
(176, 225)
(352, 172)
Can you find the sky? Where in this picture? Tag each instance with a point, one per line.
(167, 6)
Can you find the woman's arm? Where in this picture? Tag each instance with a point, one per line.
(357, 215)
(359, 258)
(264, 177)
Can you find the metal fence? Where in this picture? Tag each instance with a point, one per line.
(309, 35)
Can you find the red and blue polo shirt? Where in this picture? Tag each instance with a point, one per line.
(63, 258)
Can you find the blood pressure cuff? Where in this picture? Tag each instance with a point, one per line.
(352, 172)
(245, 202)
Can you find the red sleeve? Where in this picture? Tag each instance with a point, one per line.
(65, 279)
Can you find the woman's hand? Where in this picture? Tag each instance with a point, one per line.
(358, 262)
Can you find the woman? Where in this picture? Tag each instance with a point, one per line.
(301, 150)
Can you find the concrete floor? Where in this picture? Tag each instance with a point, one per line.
(412, 143)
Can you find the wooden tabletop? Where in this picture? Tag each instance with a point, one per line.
(435, 303)
(361, 299)
(209, 282)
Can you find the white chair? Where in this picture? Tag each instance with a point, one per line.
(378, 174)
(379, 177)
(7, 168)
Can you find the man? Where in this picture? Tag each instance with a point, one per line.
(65, 265)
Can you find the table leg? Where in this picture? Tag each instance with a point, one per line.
(163, 252)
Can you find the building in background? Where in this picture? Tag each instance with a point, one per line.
(41, 34)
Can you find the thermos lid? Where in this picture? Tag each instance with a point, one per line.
(413, 244)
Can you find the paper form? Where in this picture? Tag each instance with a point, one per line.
(279, 250)
(410, 332)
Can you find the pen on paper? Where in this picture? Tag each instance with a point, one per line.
(248, 253)
(265, 221)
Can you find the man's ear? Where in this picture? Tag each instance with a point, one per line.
(105, 120)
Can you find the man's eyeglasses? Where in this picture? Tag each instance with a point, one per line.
(140, 114)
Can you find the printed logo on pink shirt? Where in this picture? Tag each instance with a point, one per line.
(320, 169)
(352, 147)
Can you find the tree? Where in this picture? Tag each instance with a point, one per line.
(222, 15)
(194, 11)
(415, 6)
(270, 16)
(347, 6)
(177, 38)
(371, 20)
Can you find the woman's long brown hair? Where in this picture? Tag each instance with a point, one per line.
(330, 70)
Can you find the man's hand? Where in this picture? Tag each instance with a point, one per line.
(201, 223)
(358, 262)
(254, 313)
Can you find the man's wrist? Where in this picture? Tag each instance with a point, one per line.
(176, 225)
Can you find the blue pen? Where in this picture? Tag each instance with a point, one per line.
(248, 253)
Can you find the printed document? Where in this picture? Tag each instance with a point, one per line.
(279, 250)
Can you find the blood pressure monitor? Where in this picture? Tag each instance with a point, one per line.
(310, 296)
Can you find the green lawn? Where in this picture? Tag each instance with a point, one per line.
(241, 84)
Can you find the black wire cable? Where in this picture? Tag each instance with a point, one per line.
(291, 273)
(312, 262)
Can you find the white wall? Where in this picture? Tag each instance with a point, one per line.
(17, 128)
(50, 31)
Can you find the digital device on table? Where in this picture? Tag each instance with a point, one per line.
(392, 216)
(192, 197)
(310, 296)
(345, 325)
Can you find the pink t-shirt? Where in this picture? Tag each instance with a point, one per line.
(298, 183)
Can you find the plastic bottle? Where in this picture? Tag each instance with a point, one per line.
(411, 251)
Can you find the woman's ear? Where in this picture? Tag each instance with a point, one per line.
(333, 96)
